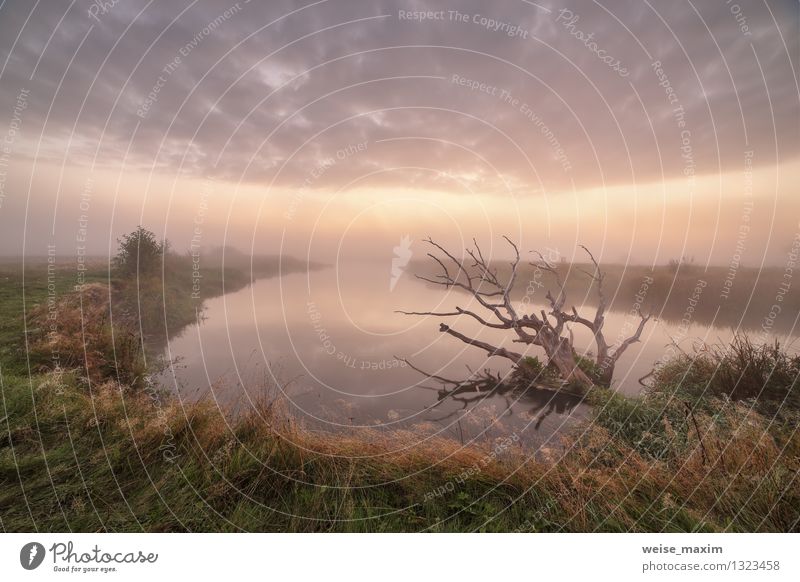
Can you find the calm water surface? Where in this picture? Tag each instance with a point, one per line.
(333, 339)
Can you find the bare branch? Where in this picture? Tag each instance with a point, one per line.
(487, 274)
(631, 340)
(598, 273)
(448, 280)
(441, 379)
(441, 264)
(576, 318)
(459, 311)
(458, 263)
(489, 348)
(511, 281)
(599, 278)
(476, 275)
(557, 303)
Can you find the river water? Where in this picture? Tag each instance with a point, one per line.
(332, 342)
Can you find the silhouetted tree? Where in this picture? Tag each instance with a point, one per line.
(140, 253)
(478, 278)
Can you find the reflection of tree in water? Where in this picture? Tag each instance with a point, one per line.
(543, 401)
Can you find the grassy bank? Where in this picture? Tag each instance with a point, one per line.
(83, 455)
(44, 322)
(42, 318)
(24, 292)
(105, 457)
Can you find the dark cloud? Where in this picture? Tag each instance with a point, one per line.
(358, 72)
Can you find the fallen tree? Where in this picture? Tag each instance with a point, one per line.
(549, 329)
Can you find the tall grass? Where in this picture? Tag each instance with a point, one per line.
(711, 446)
(106, 457)
(766, 376)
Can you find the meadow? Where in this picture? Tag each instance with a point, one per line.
(94, 445)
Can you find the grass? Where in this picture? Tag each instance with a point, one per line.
(45, 324)
(14, 304)
(98, 448)
(105, 457)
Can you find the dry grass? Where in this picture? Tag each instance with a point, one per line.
(150, 463)
(92, 450)
(76, 332)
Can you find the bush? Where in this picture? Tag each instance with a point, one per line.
(140, 254)
(765, 373)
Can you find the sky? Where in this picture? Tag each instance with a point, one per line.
(646, 131)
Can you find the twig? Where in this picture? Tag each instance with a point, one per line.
(690, 414)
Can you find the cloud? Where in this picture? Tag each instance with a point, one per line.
(261, 92)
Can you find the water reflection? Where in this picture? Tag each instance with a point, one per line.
(335, 333)
(538, 403)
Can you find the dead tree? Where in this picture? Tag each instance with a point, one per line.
(607, 355)
(476, 276)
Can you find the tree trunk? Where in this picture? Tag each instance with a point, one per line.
(606, 371)
(560, 353)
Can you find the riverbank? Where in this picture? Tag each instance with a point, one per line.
(41, 317)
(712, 445)
(106, 457)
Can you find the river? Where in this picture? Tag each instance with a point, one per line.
(331, 344)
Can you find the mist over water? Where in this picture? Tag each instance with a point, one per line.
(333, 338)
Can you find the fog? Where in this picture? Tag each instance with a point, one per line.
(332, 130)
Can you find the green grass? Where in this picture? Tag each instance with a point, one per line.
(14, 304)
(83, 451)
(112, 473)
(90, 458)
